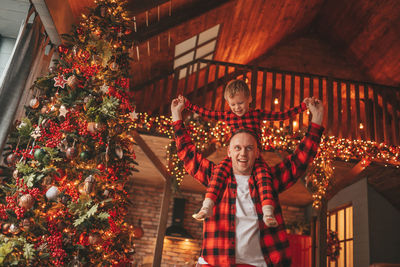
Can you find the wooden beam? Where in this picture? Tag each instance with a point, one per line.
(162, 225)
(322, 233)
(42, 9)
(136, 7)
(201, 7)
(152, 156)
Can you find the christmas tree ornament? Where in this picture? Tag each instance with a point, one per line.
(5, 228)
(14, 229)
(44, 109)
(76, 262)
(84, 155)
(104, 88)
(11, 159)
(37, 132)
(63, 145)
(63, 49)
(52, 69)
(34, 103)
(97, 60)
(63, 111)
(71, 152)
(119, 152)
(91, 127)
(52, 193)
(94, 238)
(15, 174)
(99, 126)
(101, 167)
(114, 66)
(39, 154)
(89, 184)
(22, 125)
(72, 81)
(138, 230)
(26, 224)
(60, 81)
(26, 201)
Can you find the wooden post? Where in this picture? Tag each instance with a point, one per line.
(282, 106)
(358, 114)
(313, 240)
(301, 117)
(322, 232)
(162, 225)
(329, 94)
(292, 93)
(254, 86)
(215, 87)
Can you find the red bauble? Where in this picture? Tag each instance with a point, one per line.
(62, 49)
(101, 167)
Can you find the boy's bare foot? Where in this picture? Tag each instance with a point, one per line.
(270, 221)
(202, 214)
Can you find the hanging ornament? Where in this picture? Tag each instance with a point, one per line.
(44, 109)
(39, 154)
(26, 201)
(14, 229)
(99, 126)
(15, 174)
(52, 69)
(26, 224)
(94, 238)
(72, 81)
(34, 103)
(101, 167)
(52, 193)
(60, 81)
(114, 66)
(63, 145)
(71, 152)
(62, 49)
(104, 88)
(76, 262)
(84, 155)
(89, 184)
(133, 115)
(138, 230)
(91, 127)
(119, 152)
(63, 111)
(36, 132)
(5, 228)
(11, 159)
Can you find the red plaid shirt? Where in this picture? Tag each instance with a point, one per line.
(251, 120)
(218, 247)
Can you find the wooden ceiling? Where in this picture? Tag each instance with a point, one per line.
(366, 30)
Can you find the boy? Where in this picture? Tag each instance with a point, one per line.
(237, 94)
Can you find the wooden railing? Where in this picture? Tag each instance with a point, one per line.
(356, 110)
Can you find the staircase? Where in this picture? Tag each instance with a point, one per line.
(355, 110)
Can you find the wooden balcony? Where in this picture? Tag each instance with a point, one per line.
(353, 109)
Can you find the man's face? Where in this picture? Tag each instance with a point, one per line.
(239, 103)
(243, 151)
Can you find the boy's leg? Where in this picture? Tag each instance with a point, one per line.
(214, 189)
(264, 187)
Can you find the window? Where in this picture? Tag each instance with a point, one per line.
(340, 220)
(199, 46)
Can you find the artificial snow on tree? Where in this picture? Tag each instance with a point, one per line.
(64, 191)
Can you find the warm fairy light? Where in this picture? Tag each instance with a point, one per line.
(361, 126)
(206, 133)
(276, 101)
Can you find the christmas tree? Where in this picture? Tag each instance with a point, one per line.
(64, 191)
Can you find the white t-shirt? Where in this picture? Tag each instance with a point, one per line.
(247, 249)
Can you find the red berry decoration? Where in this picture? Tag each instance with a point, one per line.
(62, 49)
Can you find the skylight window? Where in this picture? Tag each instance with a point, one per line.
(199, 46)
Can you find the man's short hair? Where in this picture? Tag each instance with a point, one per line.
(245, 130)
(236, 86)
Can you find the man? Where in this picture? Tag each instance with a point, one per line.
(236, 235)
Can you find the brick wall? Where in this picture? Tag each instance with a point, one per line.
(146, 206)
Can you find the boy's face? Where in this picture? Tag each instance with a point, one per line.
(239, 103)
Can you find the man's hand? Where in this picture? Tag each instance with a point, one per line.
(316, 108)
(177, 106)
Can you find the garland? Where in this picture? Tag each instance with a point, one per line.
(333, 246)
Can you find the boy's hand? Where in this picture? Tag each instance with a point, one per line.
(177, 105)
(182, 98)
(316, 109)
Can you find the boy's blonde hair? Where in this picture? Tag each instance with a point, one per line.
(236, 86)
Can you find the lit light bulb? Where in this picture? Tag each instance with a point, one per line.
(276, 101)
(361, 126)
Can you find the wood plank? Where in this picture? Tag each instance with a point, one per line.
(322, 232)
(376, 115)
(385, 120)
(162, 223)
(190, 12)
(292, 94)
(254, 78)
(205, 87)
(395, 122)
(301, 116)
(264, 91)
(175, 84)
(329, 88)
(196, 83)
(185, 87)
(349, 130)
(273, 95)
(226, 77)
(282, 100)
(311, 86)
(138, 6)
(358, 114)
(215, 87)
(320, 89)
(339, 107)
(367, 113)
